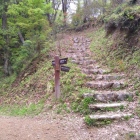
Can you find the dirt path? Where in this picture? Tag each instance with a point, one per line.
(47, 127)
(68, 127)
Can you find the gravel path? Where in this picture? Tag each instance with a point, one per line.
(46, 127)
(68, 127)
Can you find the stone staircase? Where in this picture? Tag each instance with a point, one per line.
(109, 90)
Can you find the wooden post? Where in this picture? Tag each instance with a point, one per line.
(57, 77)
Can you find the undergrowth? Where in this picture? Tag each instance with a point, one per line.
(17, 110)
(25, 98)
(101, 46)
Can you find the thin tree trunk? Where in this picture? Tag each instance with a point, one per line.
(7, 66)
(64, 9)
(21, 37)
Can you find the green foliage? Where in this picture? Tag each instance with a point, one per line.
(138, 111)
(15, 110)
(89, 121)
(123, 17)
(106, 51)
(77, 18)
(71, 81)
(5, 83)
(62, 108)
(135, 58)
(82, 105)
(92, 122)
(27, 18)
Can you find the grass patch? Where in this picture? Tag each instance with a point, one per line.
(82, 106)
(102, 47)
(138, 111)
(92, 122)
(5, 83)
(16, 110)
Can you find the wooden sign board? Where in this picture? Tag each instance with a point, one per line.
(61, 61)
(64, 68)
(57, 67)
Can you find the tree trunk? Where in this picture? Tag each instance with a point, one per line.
(64, 9)
(7, 66)
(21, 37)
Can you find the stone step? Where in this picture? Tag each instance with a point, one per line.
(70, 51)
(107, 105)
(110, 77)
(107, 77)
(95, 70)
(79, 58)
(93, 66)
(83, 62)
(107, 96)
(106, 84)
(110, 116)
(88, 62)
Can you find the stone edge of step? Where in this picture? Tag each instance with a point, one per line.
(107, 105)
(108, 116)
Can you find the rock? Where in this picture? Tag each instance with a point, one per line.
(99, 77)
(88, 62)
(122, 97)
(113, 77)
(100, 98)
(106, 96)
(94, 71)
(74, 61)
(88, 95)
(81, 63)
(110, 116)
(85, 71)
(88, 40)
(117, 85)
(90, 77)
(75, 45)
(76, 40)
(70, 51)
(99, 85)
(106, 105)
(93, 66)
(102, 71)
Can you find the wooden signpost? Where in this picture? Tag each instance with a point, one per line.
(57, 66)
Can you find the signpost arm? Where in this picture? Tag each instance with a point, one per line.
(57, 77)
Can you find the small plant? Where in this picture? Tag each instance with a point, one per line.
(130, 98)
(62, 108)
(137, 93)
(127, 118)
(131, 135)
(82, 106)
(138, 111)
(109, 109)
(121, 107)
(89, 121)
(105, 122)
